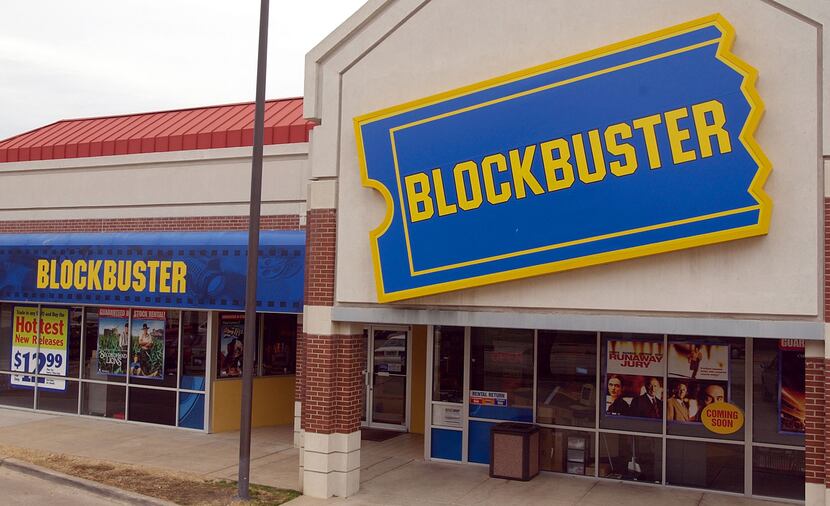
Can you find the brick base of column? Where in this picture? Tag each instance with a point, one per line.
(330, 415)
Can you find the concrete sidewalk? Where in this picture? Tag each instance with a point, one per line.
(392, 472)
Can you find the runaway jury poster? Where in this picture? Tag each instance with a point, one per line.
(147, 343)
(634, 376)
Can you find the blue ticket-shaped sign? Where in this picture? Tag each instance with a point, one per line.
(642, 147)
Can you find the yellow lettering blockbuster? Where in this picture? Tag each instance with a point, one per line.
(154, 276)
(564, 161)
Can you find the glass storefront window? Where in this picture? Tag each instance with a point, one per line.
(501, 374)
(778, 472)
(104, 400)
(702, 371)
(12, 395)
(567, 451)
(107, 347)
(633, 368)
(152, 406)
(62, 401)
(711, 466)
(778, 407)
(566, 375)
(635, 458)
(448, 364)
(194, 349)
(5, 337)
(279, 341)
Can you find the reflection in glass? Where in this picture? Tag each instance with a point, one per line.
(105, 400)
(5, 337)
(448, 364)
(12, 395)
(635, 458)
(778, 472)
(567, 451)
(194, 349)
(713, 466)
(766, 406)
(389, 377)
(152, 406)
(65, 401)
(501, 374)
(566, 377)
(279, 339)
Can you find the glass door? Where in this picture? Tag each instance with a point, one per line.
(386, 378)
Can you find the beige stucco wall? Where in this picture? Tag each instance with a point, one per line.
(398, 51)
(213, 182)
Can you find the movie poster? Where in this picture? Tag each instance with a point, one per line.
(113, 340)
(791, 389)
(698, 375)
(634, 378)
(147, 343)
(231, 337)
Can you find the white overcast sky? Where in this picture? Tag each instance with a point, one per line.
(64, 59)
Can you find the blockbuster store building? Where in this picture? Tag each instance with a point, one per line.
(606, 219)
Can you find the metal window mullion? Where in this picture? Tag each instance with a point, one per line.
(430, 380)
(465, 406)
(260, 337)
(665, 388)
(178, 365)
(535, 390)
(599, 383)
(749, 364)
(37, 355)
(127, 379)
(81, 355)
(209, 367)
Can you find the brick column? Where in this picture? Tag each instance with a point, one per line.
(331, 383)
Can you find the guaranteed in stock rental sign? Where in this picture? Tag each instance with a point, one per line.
(642, 147)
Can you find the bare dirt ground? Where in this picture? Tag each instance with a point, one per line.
(180, 488)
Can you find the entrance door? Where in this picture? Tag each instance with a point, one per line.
(385, 377)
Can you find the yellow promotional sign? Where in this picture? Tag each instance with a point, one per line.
(39, 345)
(722, 418)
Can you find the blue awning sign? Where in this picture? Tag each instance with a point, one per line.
(198, 270)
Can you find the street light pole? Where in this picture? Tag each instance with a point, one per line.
(253, 260)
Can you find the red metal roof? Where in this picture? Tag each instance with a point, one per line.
(221, 126)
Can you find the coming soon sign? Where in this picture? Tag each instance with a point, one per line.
(637, 148)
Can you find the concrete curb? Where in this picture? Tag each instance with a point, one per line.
(100, 489)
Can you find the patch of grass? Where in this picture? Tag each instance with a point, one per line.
(180, 488)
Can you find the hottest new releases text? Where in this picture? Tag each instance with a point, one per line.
(155, 276)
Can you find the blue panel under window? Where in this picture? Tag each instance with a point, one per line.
(446, 444)
(193, 382)
(478, 447)
(501, 413)
(191, 410)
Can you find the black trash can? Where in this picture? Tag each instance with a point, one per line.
(514, 451)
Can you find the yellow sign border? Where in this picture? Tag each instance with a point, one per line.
(756, 188)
